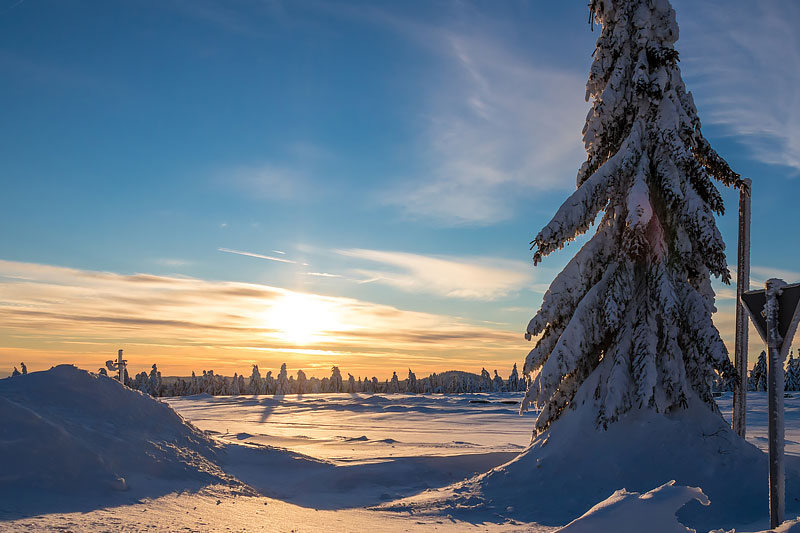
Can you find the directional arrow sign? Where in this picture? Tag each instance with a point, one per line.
(788, 315)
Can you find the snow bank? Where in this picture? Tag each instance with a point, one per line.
(632, 512)
(574, 465)
(70, 435)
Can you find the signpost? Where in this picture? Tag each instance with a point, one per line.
(119, 365)
(742, 285)
(775, 314)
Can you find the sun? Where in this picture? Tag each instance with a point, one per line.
(302, 319)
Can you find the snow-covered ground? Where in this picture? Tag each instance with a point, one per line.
(302, 463)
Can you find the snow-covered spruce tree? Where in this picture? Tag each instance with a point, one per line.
(513, 379)
(394, 386)
(411, 382)
(791, 381)
(633, 307)
(282, 384)
(302, 382)
(335, 382)
(758, 375)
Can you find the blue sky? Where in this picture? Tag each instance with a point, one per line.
(388, 154)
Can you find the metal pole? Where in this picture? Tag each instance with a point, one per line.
(742, 285)
(120, 367)
(777, 490)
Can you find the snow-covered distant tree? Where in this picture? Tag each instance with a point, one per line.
(793, 373)
(154, 382)
(394, 385)
(282, 383)
(23, 368)
(633, 307)
(302, 382)
(795, 370)
(15, 373)
(375, 385)
(335, 382)
(486, 381)
(411, 382)
(235, 385)
(269, 383)
(256, 383)
(758, 375)
(194, 387)
(498, 385)
(351, 383)
(513, 379)
(102, 372)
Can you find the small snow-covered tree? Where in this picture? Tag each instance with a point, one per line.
(282, 384)
(630, 314)
(23, 368)
(154, 382)
(351, 383)
(194, 387)
(394, 385)
(235, 385)
(513, 379)
(335, 382)
(793, 373)
(498, 385)
(15, 373)
(486, 381)
(102, 372)
(256, 383)
(269, 383)
(411, 382)
(758, 375)
(302, 382)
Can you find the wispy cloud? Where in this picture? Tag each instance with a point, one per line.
(450, 277)
(499, 126)
(745, 61)
(53, 314)
(257, 256)
(323, 275)
(267, 182)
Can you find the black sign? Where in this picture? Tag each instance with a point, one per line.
(788, 316)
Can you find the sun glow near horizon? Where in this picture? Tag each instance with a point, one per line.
(303, 319)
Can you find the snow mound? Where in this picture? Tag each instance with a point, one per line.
(633, 512)
(574, 465)
(68, 434)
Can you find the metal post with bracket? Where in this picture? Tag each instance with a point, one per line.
(775, 313)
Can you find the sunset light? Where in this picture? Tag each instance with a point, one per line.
(302, 319)
(369, 265)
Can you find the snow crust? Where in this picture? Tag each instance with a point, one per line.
(632, 512)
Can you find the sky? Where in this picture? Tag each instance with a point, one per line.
(215, 184)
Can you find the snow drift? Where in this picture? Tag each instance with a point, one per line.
(575, 464)
(631, 512)
(70, 434)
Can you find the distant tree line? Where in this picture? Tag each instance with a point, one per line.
(757, 379)
(451, 382)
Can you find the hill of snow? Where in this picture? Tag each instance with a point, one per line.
(69, 437)
(572, 466)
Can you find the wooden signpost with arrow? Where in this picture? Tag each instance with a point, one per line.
(775, 314)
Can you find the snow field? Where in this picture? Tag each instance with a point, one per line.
(331, 462)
